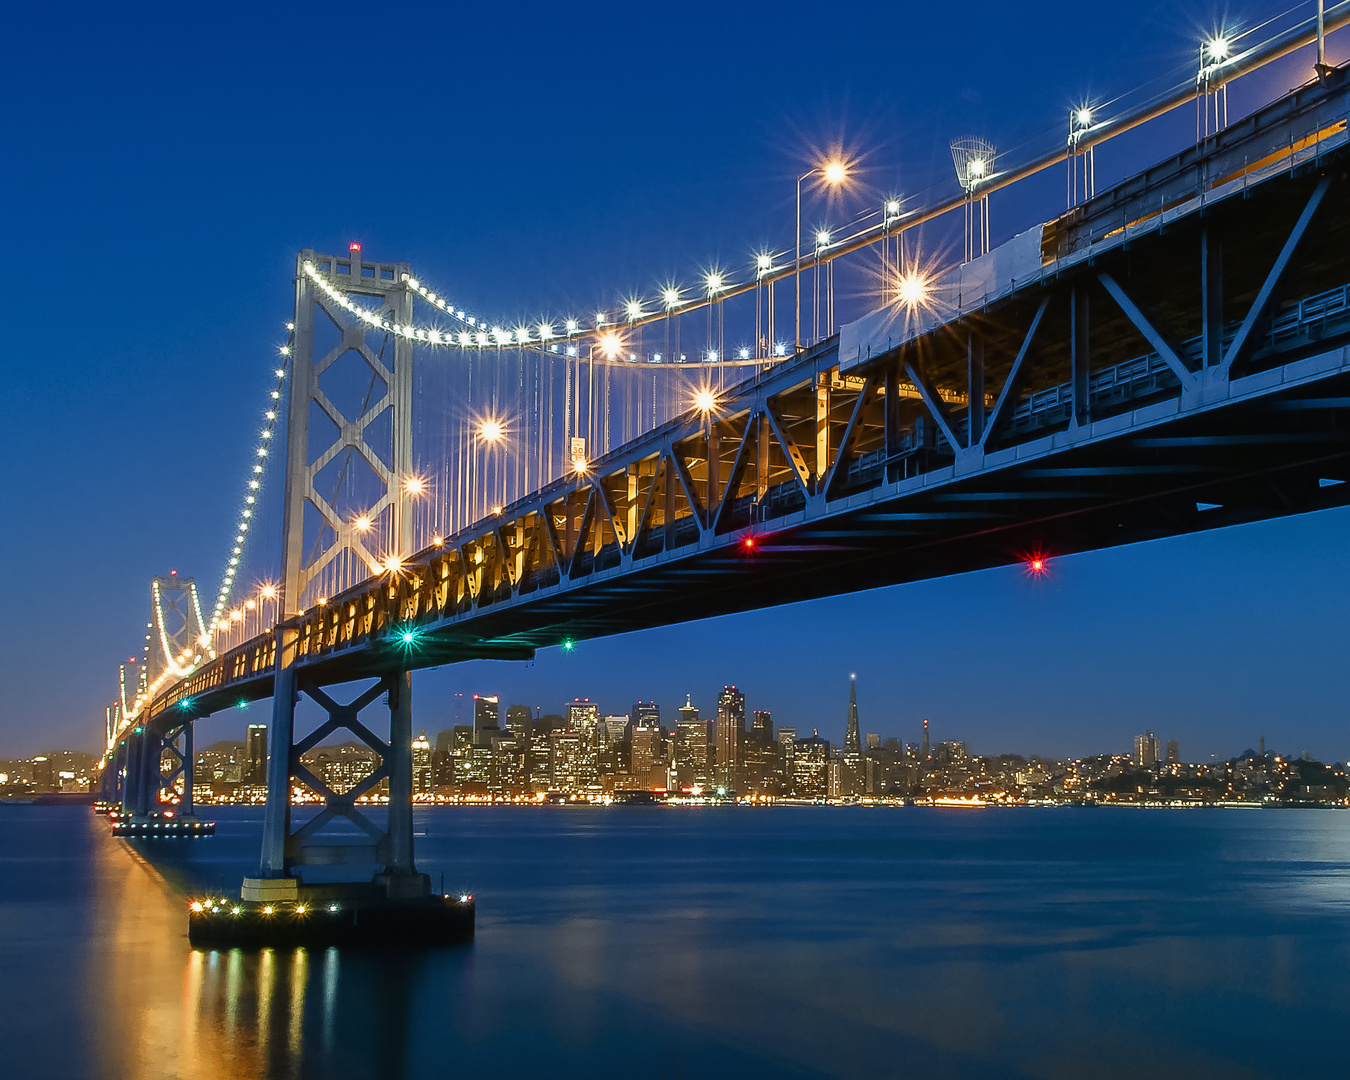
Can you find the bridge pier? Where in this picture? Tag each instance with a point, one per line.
(395, 904)
(285, 852)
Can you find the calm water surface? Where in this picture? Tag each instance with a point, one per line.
(719, 942)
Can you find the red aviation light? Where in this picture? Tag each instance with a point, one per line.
(1037, 565)
(749, 543)
(354, 246)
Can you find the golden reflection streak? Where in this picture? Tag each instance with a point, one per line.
(266, 977)
(160, 1009)
(299, 979)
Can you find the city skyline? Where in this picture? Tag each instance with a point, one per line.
(479, 712)
(1229, 632)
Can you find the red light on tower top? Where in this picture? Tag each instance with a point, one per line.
(355, 245)
(748, 543)
(1038, 565)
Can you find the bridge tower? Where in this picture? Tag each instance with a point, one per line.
(322, 545)
(325, 549)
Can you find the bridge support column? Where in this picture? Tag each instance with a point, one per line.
(400, 877)
(186, 807)
(125, 763)
(147, 798)
(280, 738)
(974, 389)
(1078, 355)
(1211, 299)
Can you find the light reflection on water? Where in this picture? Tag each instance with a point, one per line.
(670, 943)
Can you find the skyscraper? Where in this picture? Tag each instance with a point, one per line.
(761, 726)
(646, 714)
(421, 765)
(729, 732)
(255, 771)
(1146, 750)
(691, 748)
(787, 748)
(924, 754)
(484, 718)
(583, 718)
(646, 746)
(810, 767)
(852, 739)
(518, 718)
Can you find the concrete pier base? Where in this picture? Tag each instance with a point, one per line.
(158, 827)
(270, 890)
(331, 915)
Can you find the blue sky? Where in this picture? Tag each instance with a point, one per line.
(164, 164)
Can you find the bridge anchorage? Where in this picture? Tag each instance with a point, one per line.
(1169, 355)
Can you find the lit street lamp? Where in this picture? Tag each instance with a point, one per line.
(834, 173)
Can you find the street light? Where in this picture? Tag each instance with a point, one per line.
(834, 173)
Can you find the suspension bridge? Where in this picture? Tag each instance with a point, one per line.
(1165, 356)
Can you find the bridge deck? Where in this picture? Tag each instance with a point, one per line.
(1136, 386)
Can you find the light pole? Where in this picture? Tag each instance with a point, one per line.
(834, 173)
(491, 432)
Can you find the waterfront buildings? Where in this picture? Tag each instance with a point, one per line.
(581, 753)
